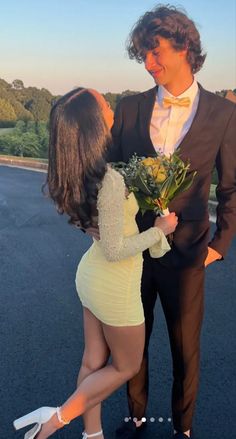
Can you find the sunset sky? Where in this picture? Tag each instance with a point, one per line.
(60, 44)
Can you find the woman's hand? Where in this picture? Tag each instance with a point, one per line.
(167, 223)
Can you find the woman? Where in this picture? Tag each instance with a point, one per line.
(108, 278)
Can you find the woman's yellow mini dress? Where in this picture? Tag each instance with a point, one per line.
(108, 278)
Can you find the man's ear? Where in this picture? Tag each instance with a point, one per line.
(183, 53)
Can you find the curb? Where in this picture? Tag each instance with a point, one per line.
(23, 163)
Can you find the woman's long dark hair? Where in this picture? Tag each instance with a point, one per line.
(171, 23)
(79, 138)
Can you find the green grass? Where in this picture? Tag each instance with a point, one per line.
(5, 131)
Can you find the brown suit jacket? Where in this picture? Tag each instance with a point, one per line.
(210, 141)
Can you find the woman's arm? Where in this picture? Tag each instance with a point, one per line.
(111, 223)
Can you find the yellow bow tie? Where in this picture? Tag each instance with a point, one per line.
(180, 102)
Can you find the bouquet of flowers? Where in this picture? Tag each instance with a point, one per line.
(155, 181)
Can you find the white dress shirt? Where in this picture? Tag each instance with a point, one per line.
(169, 125)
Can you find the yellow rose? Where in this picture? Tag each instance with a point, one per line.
(155, 168)
(149, 161)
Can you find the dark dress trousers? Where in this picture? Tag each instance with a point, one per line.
(178, 277)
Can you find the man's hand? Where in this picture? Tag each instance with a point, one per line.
(93, 232)
(212, 256)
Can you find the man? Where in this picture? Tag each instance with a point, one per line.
(178, 114)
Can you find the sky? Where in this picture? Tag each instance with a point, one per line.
(61, 44)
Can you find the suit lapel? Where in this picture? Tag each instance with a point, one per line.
(146, 105)
(199, 120)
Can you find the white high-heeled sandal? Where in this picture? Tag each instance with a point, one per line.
(39, 416)
(85, 435)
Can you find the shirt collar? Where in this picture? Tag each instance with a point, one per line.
(191, 93)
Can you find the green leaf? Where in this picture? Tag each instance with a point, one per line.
(166, 186)
(181, 177)
(187, 183)
(144, 203)
(141, 184)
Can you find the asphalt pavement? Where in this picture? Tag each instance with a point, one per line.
(41, 333)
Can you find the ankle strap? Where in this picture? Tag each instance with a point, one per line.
(60, 418)
(85, 435)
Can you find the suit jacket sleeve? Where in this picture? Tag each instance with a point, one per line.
(226, 189)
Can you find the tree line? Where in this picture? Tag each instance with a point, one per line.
(18, 102)
(24, 114)
(23, 103)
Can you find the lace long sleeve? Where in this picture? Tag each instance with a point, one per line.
(110, 205)
(156, 250)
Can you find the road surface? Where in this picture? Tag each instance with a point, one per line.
(41, 336)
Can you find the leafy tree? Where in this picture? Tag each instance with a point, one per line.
(43, 135)
(29, 103)
(7, 93)
(129, 93)
(29, 145)
(4, 84)
(21, 127)
(111, 98)
(6, 110)
(39, 107)
(17, 84)
(47, 95)
(29, 139)
(21, 112)
(114, 98)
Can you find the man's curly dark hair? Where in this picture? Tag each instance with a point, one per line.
(171, 23)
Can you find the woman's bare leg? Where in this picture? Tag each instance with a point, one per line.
(96, 354)
(126, 346)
